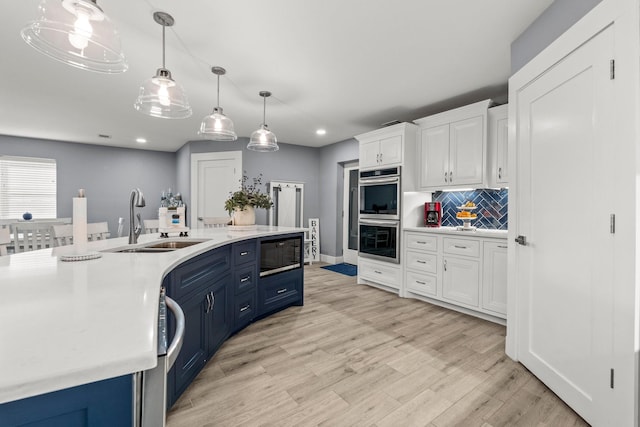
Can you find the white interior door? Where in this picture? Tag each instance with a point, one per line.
(213, 177)
(564, 272)
(350, 212)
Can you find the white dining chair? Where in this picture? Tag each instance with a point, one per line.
(97, 231)
(215, 221)
(5, 241)
(151, 226)
(62, 234)
(28, 236)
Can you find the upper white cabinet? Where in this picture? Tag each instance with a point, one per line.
(386, 147)
(498, 148)
(452, 148)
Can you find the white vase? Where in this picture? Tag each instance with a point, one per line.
(246, 216)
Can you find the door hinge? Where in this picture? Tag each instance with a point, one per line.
(612, 69)
(612, 224)
(611, 381)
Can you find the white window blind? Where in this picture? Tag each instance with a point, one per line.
(27, 184)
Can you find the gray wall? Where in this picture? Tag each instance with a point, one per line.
(332, 160)
(554, 21)
(107, 174)
(289, 163)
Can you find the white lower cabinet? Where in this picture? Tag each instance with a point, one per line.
(460, 270)
(379, 272)
(461, 280)
(494, 281)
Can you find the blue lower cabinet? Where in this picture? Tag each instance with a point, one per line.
(280, 291)
(104, 403)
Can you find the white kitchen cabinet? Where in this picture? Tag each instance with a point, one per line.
(494, 280)
(460, 271)
(498, 164)
(452, 148)
(382, 273)
(387, 146)
(461, 280)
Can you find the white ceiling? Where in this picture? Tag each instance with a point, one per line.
(343, 65)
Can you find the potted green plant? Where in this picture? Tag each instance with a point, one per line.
(242, 203)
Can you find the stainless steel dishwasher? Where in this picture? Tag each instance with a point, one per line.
(150, 386)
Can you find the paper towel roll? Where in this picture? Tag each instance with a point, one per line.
(80, 223)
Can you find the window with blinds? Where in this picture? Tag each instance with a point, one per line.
(27, 184)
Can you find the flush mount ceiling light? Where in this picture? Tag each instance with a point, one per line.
(78, 33)
(160, 96)
(217, 126)
(263, 139)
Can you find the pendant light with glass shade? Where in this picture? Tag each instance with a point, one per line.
(217, 126)
(263, 139)
(78, 33)
(160, 96)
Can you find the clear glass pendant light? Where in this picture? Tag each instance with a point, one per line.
(217, 126)
(160, 96)
(263, 139)
(78, 33)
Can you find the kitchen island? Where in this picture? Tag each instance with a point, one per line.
(64, 324)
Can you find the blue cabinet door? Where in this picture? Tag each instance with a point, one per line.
(104, 403)
(220, 318)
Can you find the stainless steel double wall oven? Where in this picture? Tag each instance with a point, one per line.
(379, 226)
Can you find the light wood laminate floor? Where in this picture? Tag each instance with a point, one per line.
(354, 355)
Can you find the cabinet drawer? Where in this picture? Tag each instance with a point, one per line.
(279, 290)
(465, 247)
(380, 272)
(422, 261)
(244, 252)
(245, 310)
(199, 272)
(422, 242)
(422, 284)
(244, 278)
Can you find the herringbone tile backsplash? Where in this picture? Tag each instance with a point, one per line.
(491, 207)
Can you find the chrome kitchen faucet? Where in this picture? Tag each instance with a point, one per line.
(137, 200)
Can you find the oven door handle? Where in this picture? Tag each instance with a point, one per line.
(375, 181)
(376, 222)
(178, 338)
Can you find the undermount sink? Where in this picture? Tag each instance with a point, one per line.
(158, 247)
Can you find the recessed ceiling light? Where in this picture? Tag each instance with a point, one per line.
(141, 140)
(321, 132)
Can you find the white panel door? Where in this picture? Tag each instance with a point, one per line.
(434, 157)
(564, 177)
(461, 280)
(213, 177)
(466, 152)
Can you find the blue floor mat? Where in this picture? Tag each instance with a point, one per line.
(347, 269)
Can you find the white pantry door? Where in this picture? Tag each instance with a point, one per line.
(565, 270)
(213, 177)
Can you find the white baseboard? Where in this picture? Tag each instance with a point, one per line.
(330, 259)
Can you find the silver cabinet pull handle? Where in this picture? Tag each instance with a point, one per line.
(445, 177)
(450, 177)
(245, 308)
(420, 283)
(208, 308)
(244, 253)
(244, 279)
(419, 261)
(280, 291)
(499, 173)
(445, 265)
(213, 300)
(503, 247)
(421, 243)
(459, 247)
(377, 272)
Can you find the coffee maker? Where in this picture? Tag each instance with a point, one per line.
(432, 214)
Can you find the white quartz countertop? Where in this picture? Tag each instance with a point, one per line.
(480, 232)
(64, 324)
